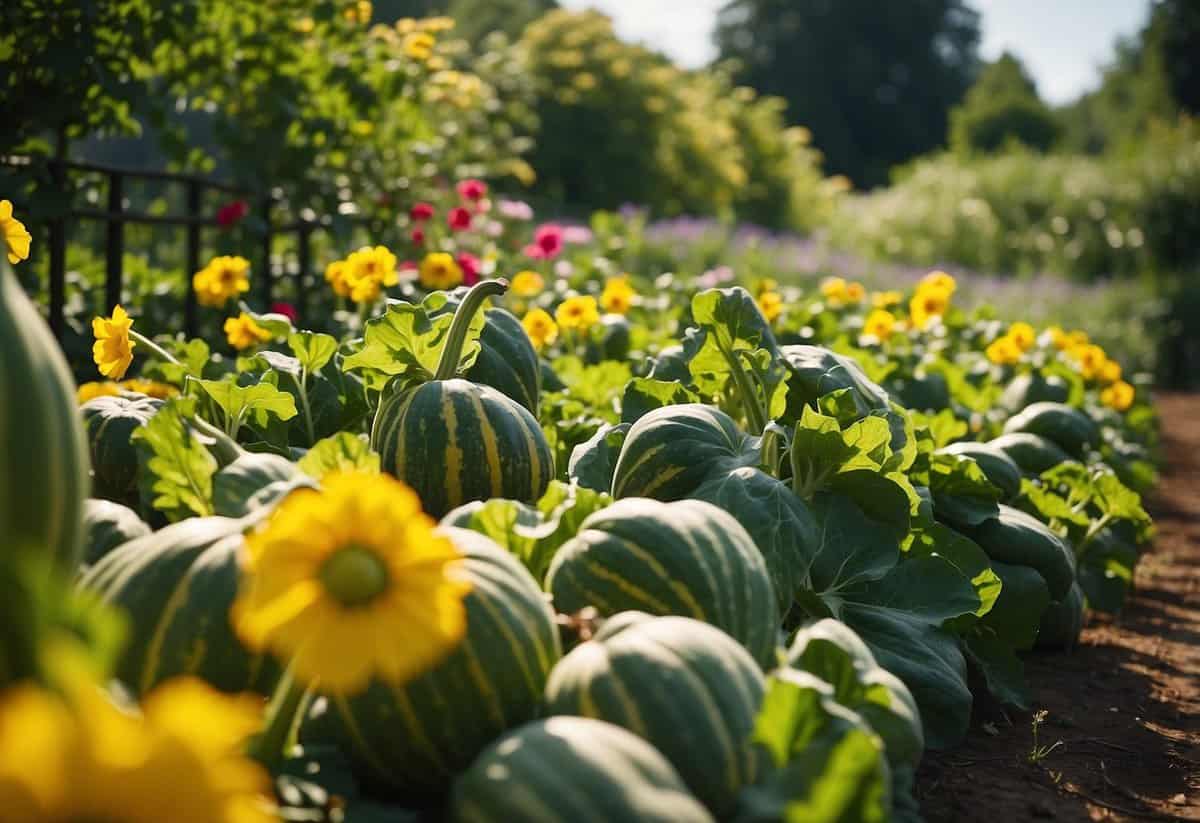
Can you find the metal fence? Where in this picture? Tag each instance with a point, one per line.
(115, 217)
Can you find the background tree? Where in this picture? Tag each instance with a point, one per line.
(873, 81)
(1002, 107)
(475, 18)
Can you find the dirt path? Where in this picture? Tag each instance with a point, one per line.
(1125, 704)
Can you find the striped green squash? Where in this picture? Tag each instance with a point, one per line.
(671, 451)
(455, 441)
(506, 360)
(177, 585)
(411, 740)
(108, 525)
(110, 423)
(43, 455)
(571, 769)
(687, 558)
(684, 686)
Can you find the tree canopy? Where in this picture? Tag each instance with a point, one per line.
(1002, 107)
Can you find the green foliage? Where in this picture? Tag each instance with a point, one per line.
(1000, 109)
(874, 82)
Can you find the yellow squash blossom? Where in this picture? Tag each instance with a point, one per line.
(439, 270)
(419, 46)
(359, 11)
(1004, 351)
(368, 271)
(939, 280)
(765, 285)
(352, 582)
(880, 324)
(337, 276)
(770, 303)
(618, 295)
(113, 350)
(929, 302)
(577, 313)
(1110, 372)
(855, 292)
(1057, 337)
(16, 237)
(242, 332)
(886, 299)
(1023, 335)
(540, 327)
(1118, 396)
(527, 284)
(84, 759)
(1077, 338)
(1090, 358)
(90, 391)
(833, 289)
(222, 279)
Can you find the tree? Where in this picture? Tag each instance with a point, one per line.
(873, 81)
(1002, 107)
(1179, 24)
(475, 19)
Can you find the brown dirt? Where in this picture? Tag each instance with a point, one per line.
(1125, 704)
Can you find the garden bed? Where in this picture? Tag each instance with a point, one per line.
(1125, 703)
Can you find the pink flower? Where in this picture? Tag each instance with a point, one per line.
(420, 212)
(547, 242)
(418, 236)
(459, 219)
(472, 190)
(577, 235)
(287, 310)
(515, 209)
(470, 266)
(231, 213)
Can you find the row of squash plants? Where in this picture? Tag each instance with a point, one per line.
(718, 571)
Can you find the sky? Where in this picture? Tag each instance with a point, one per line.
(1063, 43)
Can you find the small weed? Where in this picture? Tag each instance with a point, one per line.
(1039, 753)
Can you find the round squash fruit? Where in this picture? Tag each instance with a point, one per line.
(671, 451)
(409, 741)
(1000, 469)
(568, 769)
(1068, 427)
(1032, 453)
(687, 558)
(108, 525)
(1062, 622)
(454, 441)
(1019, 539)
(177, 586)
(684, 686)
(43, 455)
(110, 423)
(507, 360)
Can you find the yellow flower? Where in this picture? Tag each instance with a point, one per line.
(1058, 338)
(242, 332)
(1110, 372)
(833, 289)
(617, 296)
(1004, 351)
(336, 275)
(90, 391)
(1023, 335)
(419, 46)
(770, 303)
(304, 25)
(223, 278)
(1090, 358)
(359, 11)
(765, 285)
(527, 284)
(579, 313)
(16, 237)
(540, 327)
(150, 388)
(367, 271)
(938, 280)
(929, 302)
(83, 758)
(886, 299)
(855, 292)
(351, 582)
(880, 324)
(113, 350)
(439, 270)
(1118, 396)
(1077, 338)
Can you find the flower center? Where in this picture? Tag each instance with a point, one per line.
(354, 575)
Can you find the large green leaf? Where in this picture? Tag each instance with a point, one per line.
(342, 452)
(408, 339)
(256, 405)
(176, 470)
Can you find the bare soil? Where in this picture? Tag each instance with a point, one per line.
(1125, 704)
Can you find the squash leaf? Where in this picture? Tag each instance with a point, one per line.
(644, 394)
(257, 405)
(176, 470)
(962, 493)
(593, 462)
(408, 339)
(312, 350)
(342, 452)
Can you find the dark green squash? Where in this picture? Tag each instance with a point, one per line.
(1033, 453)
(1000, 469)
(110, 423)
(1069, 428)
(108, 525)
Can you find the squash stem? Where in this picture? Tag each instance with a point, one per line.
(283, 715)
(456, 337)
(755, 415)
(159, 351)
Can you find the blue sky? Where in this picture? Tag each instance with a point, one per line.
(1062, 42)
